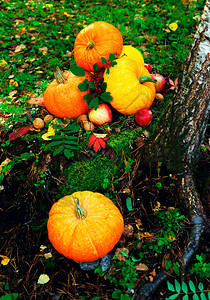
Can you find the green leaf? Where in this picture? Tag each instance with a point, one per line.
(55, 143)
(184, 287)
(76, 70)
(83, 86)
(124, 297)
(103, 86)
(103, 60)
(68, 153)
(95, 67)
(106, 97)
(200, 286)
(203, 296)
(88, 98)
(170, 286)
(192, 286)
(186, 297)
(70, 142)
(71, 128)
(129, 204)
(174, 296)
(176, 269)
(58, 150)
(113, 63)
(168, 264)
(177, 286)
(111, 56)
(12, 296)
(195, 297)
(56, 137)
(92, 85)
(71, 147)
(116, 294)
(94, 103)
(209, 296)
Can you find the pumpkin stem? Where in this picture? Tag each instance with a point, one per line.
(59, 75)
(90, 45)
(80, 212)
(143, 79)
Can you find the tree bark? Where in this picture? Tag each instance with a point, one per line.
(181, 133)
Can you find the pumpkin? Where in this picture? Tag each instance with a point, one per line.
(126, 83)
(132, 53)
(97, 40)
(84, 226)
(63, 98)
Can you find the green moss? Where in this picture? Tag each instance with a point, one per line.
(123, 142)
(88, 174)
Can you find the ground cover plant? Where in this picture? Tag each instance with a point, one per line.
(36, 38)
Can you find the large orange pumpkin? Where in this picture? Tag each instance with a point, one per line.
(63, 98)
(84, 226)
(97, 40)
(130, 87)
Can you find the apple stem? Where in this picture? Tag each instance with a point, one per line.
(143, 79)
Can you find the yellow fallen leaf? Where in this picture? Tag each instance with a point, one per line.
(42, 247)
(48, 255)
(141, 267)
(173, 26)
(4, 163)
(170, 237)
(3, 63)
(13, 83)
(51, 131)
(43, 278)
(5, 260)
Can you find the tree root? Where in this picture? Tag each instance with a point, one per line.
(188, 193)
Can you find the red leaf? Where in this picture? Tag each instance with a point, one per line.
(19, 131)
(96, 145)
(38, 101)
(92, 140)
(97, 141)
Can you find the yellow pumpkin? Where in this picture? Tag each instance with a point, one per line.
(126, 83)
(133, 53)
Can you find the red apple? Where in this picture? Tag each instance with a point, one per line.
(148, 67)
(143, 117)
(101, 115)
(160, 84)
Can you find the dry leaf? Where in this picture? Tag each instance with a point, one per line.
(119, 253)
(5, 163)
(43, 278)
(128, 230)
(37, 101)
(48, 255)
(141, 267)
(19, 48)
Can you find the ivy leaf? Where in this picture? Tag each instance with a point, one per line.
(88, 98)
(103, 60)
(94, 103)
(111, 56)
(95, 67)
(113, 63)
(106, 97)
(103, 86)
(76, 70)
(83, 86)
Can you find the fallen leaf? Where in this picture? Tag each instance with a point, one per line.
(5, 163)
(121, 253)
(141, 267)
(42, 247)
(5, 260)
(20, 48)
(97, 141)
(48, 255)
(19, 132)
(173, 26)
(50, 132)
(128, 230)
(37, 101)
(43, 278)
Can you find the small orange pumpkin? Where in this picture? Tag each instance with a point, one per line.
(84, 226)
(97, 40)
(63, 98)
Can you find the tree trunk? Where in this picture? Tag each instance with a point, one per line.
(181, 133)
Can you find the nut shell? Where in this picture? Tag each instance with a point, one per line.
(48, 118)
(82, 118)
(88, 126)
(38, 123)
